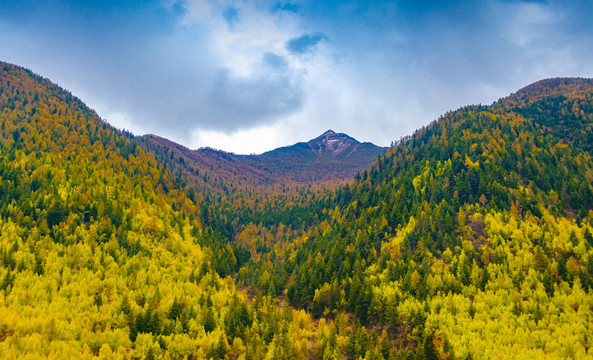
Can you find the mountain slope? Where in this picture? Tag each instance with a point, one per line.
(235, 188)
(568, 88)
(561, 106)
(205, 165)
(330, 157)
(470, 238)
(85, 217)
(101, 253)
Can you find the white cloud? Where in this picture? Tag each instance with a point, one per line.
(256, 31)
(249, 141)
(526, 22)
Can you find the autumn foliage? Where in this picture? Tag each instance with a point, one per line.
(471, 238)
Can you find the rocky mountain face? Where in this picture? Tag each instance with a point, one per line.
(333, 144)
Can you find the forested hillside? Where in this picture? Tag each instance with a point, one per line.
(103, 255)
(328, 159)
(471, 238)
(236, 186)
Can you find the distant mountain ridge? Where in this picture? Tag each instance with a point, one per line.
(329, 158)
(328, 143)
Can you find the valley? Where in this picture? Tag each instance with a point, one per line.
(470, 238)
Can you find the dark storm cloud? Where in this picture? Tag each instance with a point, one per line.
(304, 44)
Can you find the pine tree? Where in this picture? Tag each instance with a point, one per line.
(350, 349)
(175, 311)
(430, 352)
(208, 321)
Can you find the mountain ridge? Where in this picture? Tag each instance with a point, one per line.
(474, 218)
(472, 238)
(329, 143)
(329, 158)
(570, 87)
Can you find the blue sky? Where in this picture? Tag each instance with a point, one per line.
(249, 76)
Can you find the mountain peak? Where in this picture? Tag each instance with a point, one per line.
(333, 143)
(332, 135)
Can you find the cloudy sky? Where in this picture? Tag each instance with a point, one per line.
(248, 76)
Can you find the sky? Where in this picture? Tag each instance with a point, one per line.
(249, 76)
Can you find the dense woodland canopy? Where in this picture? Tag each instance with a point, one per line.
(471, 238)
(102, 253)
